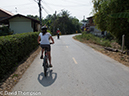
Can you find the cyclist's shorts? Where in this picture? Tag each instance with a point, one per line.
(46, 47)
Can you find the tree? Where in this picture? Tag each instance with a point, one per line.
(121, 15)
(106, 13)
(34, 17)
(64, 22)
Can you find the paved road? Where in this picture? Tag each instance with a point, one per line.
(78, 71)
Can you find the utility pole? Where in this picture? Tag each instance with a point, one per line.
(40, 14)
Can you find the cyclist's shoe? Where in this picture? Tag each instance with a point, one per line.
(41, 57)
(50, 65)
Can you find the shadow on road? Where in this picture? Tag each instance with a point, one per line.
(49, 80)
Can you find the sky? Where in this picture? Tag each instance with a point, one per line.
(76, 8)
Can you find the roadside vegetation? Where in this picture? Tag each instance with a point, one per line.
(66, 23)
(107, 45)
(113, 16)
(88, 37)
(14, 49)
(4, 30)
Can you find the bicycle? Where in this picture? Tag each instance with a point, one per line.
(45, 62)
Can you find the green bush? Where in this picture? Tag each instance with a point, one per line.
(94, 39)
(14, 48)
(105, 43)
(5, 31)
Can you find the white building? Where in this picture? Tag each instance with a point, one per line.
(21, 24)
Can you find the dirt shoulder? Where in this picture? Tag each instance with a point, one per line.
(118, 56)
(13, 79)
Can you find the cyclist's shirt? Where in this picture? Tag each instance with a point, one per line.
(58, 31)
(44, 38)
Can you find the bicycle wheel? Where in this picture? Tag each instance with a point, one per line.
(45, 67)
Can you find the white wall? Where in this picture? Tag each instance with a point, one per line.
(20, 25)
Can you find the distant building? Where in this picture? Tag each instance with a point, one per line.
(21, 24)
(93, 29)
(84, 22)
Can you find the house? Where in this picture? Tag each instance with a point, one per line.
(5, 14)
(83, 22)
(93, 29)
(21, 24)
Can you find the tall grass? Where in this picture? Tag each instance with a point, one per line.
(94, 39)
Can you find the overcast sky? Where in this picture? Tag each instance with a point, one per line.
(77, 8)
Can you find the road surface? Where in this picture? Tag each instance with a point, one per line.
(78, 71)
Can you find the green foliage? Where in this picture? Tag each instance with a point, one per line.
(49, 31)
(120, 15)
(113, 16)
(109, 36)
(5, 31)
(84, 20)
(63, 21)
(34, 17)
(14, 48)
(94, 39)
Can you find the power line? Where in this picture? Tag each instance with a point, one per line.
(47, 5)
(42, 7)
(44, 10)
(75, 2)
(78, 5)
(36, 1)
(18, 5)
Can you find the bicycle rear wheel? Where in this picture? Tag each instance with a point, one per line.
(45, 72)
(45, 67)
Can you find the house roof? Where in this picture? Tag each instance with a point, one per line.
(6, 12)
(90, 17)
(18, 15)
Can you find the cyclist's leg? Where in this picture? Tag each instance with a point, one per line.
(42, 46)
(49, 56)
(42, 53)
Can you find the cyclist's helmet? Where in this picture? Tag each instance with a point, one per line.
(43, 28)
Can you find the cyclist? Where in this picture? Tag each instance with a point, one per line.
(44, 43)
(58, 33)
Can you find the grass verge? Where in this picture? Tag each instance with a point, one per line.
(87, 37)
